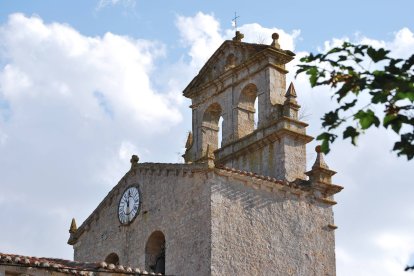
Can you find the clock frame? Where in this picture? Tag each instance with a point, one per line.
(129, 205)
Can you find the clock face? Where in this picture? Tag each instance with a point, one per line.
(129, 205)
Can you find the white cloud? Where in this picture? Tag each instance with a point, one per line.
(62, 65)
(402, 45)
(203, 35)
(72, 108)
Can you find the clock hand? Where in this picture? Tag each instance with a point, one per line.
(128, 207)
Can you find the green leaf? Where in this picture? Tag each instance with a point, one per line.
(396, 121)
(405, 95)
(302, 68)
(334, 50)
(342, 58)
(388, 119)
(347, 106)
(405, 146)
(377, 55)
(408, 64)
(367, 118)
(359, 49)
(390, 86)
(330, 119)
(344, 90)
(326, 139)
(396, 126)
(351, 132)
(380, 96)
(313, 72)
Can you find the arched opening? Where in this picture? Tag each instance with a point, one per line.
(247, 118)
(155, 253)
(210, 127)
(220, 132)
(256, 114)
(112, 259)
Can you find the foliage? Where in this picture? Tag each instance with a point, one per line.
(389, 89)
(409, 268)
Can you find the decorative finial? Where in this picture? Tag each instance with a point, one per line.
(239, 36)
(73, 227)
(275, 43)
(290, 106)
(291, 92)
(319, 162)
(320, 172)
(134, 160)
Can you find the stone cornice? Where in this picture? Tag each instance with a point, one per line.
(322, 170)
(327, 189)
(261, 137)
(191, 90)
(320, 192)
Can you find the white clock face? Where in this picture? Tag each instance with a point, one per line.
(129, 205)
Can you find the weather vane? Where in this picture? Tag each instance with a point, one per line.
(235, 21)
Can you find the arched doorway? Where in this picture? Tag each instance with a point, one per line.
(112, 259)
(155, 253)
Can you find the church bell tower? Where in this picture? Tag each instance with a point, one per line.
(240, 205)
(266, 138)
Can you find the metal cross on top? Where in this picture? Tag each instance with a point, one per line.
(235, 20)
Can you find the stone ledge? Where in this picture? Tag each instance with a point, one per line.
(326, 201)
(260, 138)
(301, 188)
(327, 189)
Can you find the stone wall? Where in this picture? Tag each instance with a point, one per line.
(175, 201)
(215, 222)
(255, 232)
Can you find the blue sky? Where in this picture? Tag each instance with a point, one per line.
(317, 20)
(86, 84)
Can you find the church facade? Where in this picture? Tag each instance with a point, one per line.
(244, 205)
